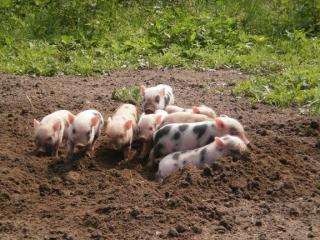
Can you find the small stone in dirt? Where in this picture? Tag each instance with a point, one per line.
(173, 232)
(207, 172)
(310, 235)
(283, 161)
(180, 228)
(10, 115)
(135, 212)
(254, 107)
(72, 177)
(23, 111)
(293, 212)
(318, 144)
(258, 223)
(44, 189)
(184, 184)
(96, 234)
(314, 125)
(196, 229)
(262, 236)
(224, 223)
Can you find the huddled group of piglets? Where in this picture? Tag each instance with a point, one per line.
(172, 136)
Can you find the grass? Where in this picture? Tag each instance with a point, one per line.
(128, 95)
(276, 42)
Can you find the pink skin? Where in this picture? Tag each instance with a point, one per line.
(52, 130)
(183, 117)
(222, 146)
(121, 128)
(189, 139)
(173, 108)
(147, 126)
(204, 110)
(154, 97)
(84, 131)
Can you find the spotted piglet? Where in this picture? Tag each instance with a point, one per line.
(155, 98)
(222, 146)
(186, 136)
(147, 125)
(84, 131)
(51, 131)
(121, 128)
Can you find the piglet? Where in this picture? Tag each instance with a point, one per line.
(183, 117)
(222, 146)
(202, 109)
(173, 109)
(157, 97)
(147, 125)
(121, 128)
(187, 136)
(205, 110)
(51, 131)
(84, 131)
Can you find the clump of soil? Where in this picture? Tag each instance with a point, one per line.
(270, 193)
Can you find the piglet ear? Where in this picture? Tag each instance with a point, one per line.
(36, 123)
(57, 126)
(218, 142)
(71, 118)
(128, 124)
(142, 89)
(158, 120)
(94, 121)
(195, 109)
(220, 124)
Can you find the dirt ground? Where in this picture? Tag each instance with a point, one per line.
(271, 193)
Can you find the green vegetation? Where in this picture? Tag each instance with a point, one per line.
(129, 95)
(277, 42)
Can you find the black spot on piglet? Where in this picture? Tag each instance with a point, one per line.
(200, 130)
(176, 136)
(176, 156)
(183, 127)
(162, 132)
(210, 140)
(203, 155)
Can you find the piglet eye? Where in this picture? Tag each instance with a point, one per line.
(150, 128)
(157, 99)
(48, 139)
(74, 131)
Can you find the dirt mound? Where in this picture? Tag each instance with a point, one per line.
(270, 193)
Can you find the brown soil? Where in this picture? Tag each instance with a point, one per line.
(271, 193)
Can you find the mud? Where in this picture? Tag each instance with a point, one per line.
(271, 193)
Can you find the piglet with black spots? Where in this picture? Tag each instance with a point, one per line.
(121, 128)
(51, 131)
(84, 131)
(187, 136)
(155, 98)
(222, 146)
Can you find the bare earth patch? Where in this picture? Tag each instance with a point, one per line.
(271, 193)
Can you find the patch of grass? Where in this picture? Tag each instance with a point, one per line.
(276, 42)
(128, 95)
